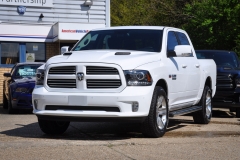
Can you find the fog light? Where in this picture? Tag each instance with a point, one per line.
(134, 106)
(35, 103)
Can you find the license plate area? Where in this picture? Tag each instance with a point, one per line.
(77, 100)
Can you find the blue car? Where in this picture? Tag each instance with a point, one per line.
(18, 86)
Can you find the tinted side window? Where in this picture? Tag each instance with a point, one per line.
(183, 38)
(172, 41)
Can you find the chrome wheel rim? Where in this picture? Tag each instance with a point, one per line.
(208, 104)
(161, 112)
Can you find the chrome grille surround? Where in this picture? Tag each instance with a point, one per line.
(98, 77)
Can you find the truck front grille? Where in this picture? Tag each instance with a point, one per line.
(94, 77)
(103, 83)
(65, 70)
(97, 70)
(62, 83)
(225, 82)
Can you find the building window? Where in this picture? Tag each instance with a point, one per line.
(12, 53)
(38, 49)
(9, 53)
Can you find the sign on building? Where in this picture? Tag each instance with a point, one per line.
(35, 3)
(30, 57)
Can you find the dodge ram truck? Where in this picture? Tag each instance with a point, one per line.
(142, 74)
(228, 78)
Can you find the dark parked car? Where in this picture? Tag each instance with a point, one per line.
(18, 86)
(228, 78)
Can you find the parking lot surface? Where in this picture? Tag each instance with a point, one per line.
(21, 138)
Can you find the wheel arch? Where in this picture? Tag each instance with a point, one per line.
(162, 83)
(208, 82)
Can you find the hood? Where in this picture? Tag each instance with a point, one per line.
(25, 80)
(127, 60)
(228, 69)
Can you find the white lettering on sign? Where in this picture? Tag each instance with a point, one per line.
(35, 3)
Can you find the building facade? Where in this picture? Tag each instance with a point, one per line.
(39, 28)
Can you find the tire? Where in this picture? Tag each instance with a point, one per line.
(53, 127)
(5, 101)
(11, 110)
(155, 125)
(238, 112)
(204, 116)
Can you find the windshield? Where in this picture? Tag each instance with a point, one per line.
(124, 39)
(26, 71)
(220, 58)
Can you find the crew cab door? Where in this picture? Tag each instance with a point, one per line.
(193, 69)
(177, 70)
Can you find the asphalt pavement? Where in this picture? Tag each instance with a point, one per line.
(21, 138)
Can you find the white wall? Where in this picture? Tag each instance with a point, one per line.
(69, 11)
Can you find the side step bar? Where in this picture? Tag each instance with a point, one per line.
(185, 111)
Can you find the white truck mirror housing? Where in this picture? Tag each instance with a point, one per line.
(64, 49)
(183, 51)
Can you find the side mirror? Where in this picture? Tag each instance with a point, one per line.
(183, 51)
(7, 74)
(64, 49)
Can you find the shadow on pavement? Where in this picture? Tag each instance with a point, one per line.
(222, 113)
(96, 130)
(23, 111)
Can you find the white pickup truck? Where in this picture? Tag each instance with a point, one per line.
(136, 73)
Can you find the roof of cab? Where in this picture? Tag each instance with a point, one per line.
(22, 63)
(131, 27)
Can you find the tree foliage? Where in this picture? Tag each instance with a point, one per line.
(130, 12)
(148, 12)
(211, 24)
(214, 24)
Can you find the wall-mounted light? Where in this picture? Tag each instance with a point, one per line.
(88, 2)
(41, 16)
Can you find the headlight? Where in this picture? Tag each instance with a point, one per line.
(21, 90)
(237, 81)
(40, 76)
(138, 78)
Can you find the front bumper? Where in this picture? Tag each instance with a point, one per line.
(227, 99)
(75, 105)
(225, 104)
(22, 101)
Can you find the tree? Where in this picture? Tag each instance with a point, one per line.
(130, 12)
(214, 24)
(148, 12)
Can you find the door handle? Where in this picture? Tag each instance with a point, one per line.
(184, 65)
(197, 65)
